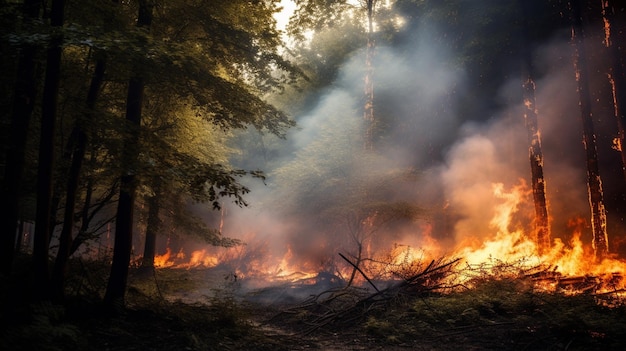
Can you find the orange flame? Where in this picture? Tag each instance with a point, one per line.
(163, 261)
(569, 265)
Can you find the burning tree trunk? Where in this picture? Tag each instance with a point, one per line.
(542, 228)
(594, 181)
(615, 75)
(116, 287)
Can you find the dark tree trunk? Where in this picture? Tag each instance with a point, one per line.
(46, 153)
(535, 153)
(616, 73)
(23, 105)
(20, 237)
(594, 181)
(116, 287)
(77, 157)
(152, 229)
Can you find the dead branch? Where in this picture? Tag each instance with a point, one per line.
(424, 281)
(360, 271)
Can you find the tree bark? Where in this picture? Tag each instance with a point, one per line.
(46, 153)
(615, 75)
(152, 229)
(23, 105)
(77, 157)
(594, 181)
(116, 287)
(535, 153)
(542, 227)
(368, 109)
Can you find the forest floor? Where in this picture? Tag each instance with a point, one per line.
(179, 309)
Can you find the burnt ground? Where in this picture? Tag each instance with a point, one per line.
(209, 310)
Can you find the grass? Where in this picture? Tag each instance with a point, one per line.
(503, 314)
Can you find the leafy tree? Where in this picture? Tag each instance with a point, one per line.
(219, 64)
(210, 63)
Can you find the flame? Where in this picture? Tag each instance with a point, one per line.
(569, 265)
(163, 261)
(573, 266)
(200, 258)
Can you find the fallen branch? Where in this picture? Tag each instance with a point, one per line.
(360, 271)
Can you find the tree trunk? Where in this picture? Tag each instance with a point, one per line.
(116, 287)
(594, 181)
(23, 105)
(368, 109)
(616, 75)
(46, 153)
(542, 226)
(152, 229)
(78, 155)
(535, 153)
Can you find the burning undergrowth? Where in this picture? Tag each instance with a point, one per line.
(444, 302)
(567, 267)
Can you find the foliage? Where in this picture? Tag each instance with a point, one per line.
(208, 69)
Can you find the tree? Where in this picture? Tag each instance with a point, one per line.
(24, 97)
(368, 108)
(594, 182)
(177, 144)
(613, 35)
(71, 189)
(46, 151)
(542, 228)
(219, 64)
(116, 287)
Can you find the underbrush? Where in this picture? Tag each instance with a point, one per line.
(502, 314)
(494, 314)
(149, 321)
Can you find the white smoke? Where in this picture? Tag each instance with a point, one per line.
(458, 161)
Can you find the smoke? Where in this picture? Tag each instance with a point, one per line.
(310, 201)
(496, 152)
(437, 157)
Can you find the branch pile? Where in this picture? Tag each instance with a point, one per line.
(349, 305)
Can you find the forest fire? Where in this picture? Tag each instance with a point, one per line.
(568, 266)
